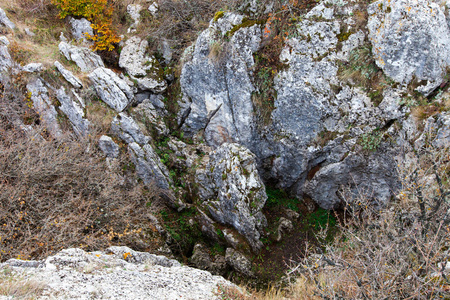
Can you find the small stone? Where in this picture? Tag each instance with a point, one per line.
(108, 146)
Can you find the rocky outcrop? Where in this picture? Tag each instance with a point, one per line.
(216, 83)
(5, 21)
(83, 57)
(357, 175)
(74, 112)
(233, 192)
(80, 28)
(149, 166)
(142, 68)
(133, 11)
(5, 57)
(128, 130)
(68, 76)
(238, 262)
(117, 273)
(202, 260)
(44, 106)
(111, 89)
(410, 41)
(313, 97)
(33, 68)
(108, 146)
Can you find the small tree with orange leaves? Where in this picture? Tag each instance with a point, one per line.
(99, 12)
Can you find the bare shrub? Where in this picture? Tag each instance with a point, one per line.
(62, 193)
(15, 286)
(396, 252)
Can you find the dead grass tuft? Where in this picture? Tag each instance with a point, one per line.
(18, 287)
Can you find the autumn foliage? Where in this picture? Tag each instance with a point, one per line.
(99, 13)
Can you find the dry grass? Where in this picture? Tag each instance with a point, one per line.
(18, 287)
(394, 252)
(58, 194)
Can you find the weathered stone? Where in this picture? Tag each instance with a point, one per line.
(29, 32)
(74, 81)
(216, 86)
(150, 115)
(5, 21)
(373, 176)
(108, 146)
(5, 58)
(85, 59)
(44, 107)
(410, 41)
(442, 139)
(74, 112)
(134, 11)
(80, 28)
(111, 89)
(33, 68)
(142, 68)
(117, 273)
(128, 130)
(153, 8)
(202, 260)
(148, 165)
(232, 190)
(238, 262)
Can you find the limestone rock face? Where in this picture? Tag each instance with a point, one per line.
(117, 273)
(74, 81)
(410, 41)
(108, 146)
(5, 21)
(233, 192)
(74, 111)
(128, 130)
(85, 59)
(216, 83)
(44, 107)
(111, 89)
(314, 100)
(5, 58)
(81, 27)
(33, 68)
(356, 175)
(142, 68)
(238, 262)
(149, 166)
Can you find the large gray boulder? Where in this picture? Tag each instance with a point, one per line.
(83, 57)
(232, 191)
(373, 177)
(74, 112)
(410, 40)
(117, 273)
(216, 83)
(111, 89)
(141, 67)
(43, 105)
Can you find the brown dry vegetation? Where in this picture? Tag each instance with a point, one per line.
(61, 193)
